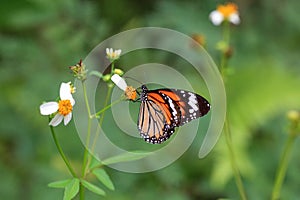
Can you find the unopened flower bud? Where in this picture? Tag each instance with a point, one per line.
(293, 115)
(118, 71)
(106, 77)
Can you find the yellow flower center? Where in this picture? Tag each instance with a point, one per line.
(130, 93)
(227, 9)
(64, 107)
(114, 55)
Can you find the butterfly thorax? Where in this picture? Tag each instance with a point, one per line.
(144, 96)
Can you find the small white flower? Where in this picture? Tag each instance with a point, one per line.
(119, 81)
(63, 108)
(234, 18)
(228, 12)
(216, 17)
(113, 54)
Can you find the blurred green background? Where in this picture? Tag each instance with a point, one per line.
(39, 39)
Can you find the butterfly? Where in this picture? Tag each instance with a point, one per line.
(162, 110)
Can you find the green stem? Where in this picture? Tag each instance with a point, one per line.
(238, 179)
(227, 132)
(84, 165)
(226, 40)
(62, 153)
(283, 166)
(86, 99)
(112, 68)
(107, 107)
(81, 192)
(86, 153)
(102, 117)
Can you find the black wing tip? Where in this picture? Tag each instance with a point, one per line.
(204, 105)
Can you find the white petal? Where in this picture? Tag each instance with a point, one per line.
(118, 52)
(67, 118)
(56, 119)
(65, 92)
(234, 18)
(120, 82)
(216, 17)
(107, 51)
(48, 108)
(110, 51)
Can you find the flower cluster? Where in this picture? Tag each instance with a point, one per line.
(113, 55)
(79, 70)
(227, 12)
(61, 110)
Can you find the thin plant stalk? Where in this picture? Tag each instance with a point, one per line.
(102, 117)
(85, 156)
(100, 124)
(226, 39)
(112, 68)
(227, 132)
(97, 114)
(282, 168)
(238, 178)
(86, 153)
(81, 192)
(71, 170)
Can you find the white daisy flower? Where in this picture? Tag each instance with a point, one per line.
(228, 12)
(63, 107)
(113, 54)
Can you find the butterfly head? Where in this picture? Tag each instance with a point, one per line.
(144, 88)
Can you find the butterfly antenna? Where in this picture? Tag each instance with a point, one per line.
(138, 89)
(128, 77)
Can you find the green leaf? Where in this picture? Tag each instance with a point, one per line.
(59, 184)
(103, 177)
(96, 73)
(93, 188)
(71, 189)
(126, 157)
(95, 162)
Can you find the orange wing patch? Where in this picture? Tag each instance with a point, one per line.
(159, 101)
(170, 94)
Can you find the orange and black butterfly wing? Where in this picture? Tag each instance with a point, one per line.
(192, 105)
(157, 119)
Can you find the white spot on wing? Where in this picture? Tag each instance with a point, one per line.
(172, 105)
(193, 102)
